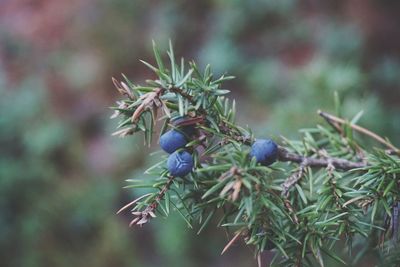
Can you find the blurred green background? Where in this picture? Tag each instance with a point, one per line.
(61, 173)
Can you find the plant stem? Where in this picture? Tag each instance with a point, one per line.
(331, 118)
(144, 216)
(342, 164)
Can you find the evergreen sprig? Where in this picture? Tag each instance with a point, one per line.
(325, 189)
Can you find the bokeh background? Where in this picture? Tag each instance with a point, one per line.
(61, 172)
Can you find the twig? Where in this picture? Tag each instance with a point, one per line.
(327, 162)
(179, 91)
(131, 203)
(289, 182)
(143, 217)
(335, 125)
(331, 118)
(291, 210)
(294, 178)
(341, 164)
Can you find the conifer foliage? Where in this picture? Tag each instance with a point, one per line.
(307, 200)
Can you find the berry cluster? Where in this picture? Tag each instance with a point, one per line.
(180, 161)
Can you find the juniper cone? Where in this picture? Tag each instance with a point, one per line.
(180, 163)
(172, 141)
(265, 151)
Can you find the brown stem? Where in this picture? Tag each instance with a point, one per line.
(294, 178)
(327, 162)
(341, 164)
(331, 118)
(184, 94)
(144, 216)
(289, 207)
(164, 189)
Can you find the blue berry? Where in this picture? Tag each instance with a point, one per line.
(265, 151)
(180, 163)
(172, 140)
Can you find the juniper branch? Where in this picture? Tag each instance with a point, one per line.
(298, 225)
